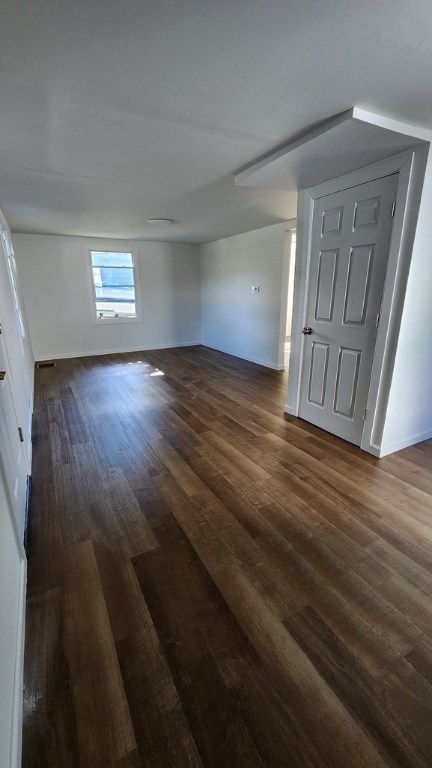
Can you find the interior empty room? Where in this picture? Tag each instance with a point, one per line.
(215, 367)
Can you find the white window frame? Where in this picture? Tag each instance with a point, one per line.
(102, 321)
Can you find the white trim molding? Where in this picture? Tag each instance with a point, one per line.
(17, 706)
(263, 363)
(96, 352)
(385, 450)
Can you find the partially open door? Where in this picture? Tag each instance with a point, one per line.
(351, 234)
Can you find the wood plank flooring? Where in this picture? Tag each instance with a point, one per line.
(213, 586)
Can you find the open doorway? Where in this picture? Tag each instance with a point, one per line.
(291, 249)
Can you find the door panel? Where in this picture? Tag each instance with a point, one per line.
(332, 221)
(326, 285)
(366, 213)
(16, 343)
(318, 373)
(12, 577)
(346, 381)
(357, 291)
(11, 448)
(350, 241)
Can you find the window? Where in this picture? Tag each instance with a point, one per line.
(114, 285)
(11, 267)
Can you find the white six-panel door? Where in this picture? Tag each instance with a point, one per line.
(350, 244)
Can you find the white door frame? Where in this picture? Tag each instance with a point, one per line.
(391, 310)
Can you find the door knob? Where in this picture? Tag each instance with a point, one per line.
(307, 331)
(2, 375)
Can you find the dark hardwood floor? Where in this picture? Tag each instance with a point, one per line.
(212, 585)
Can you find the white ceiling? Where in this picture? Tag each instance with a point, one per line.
(355, 139)
(117, 111)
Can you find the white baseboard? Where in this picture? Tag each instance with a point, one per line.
(257, 361)
(17, 711)
(373, 449)
(96, 352)
(386, 450)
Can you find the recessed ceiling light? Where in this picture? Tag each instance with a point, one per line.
(162, 222)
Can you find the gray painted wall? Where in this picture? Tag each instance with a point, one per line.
(55, 276)
(235, 320)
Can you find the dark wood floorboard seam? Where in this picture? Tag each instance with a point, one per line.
(212, 585)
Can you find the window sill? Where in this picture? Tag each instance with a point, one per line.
(115, 320)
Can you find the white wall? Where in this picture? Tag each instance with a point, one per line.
(55, 277)
(408, 418)
(235, 320)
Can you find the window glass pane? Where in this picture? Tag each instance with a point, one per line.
(113, 308)
(117, 284)
(116, 294)
(111, 259)
(120, 276)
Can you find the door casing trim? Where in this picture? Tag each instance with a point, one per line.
(402, 237)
